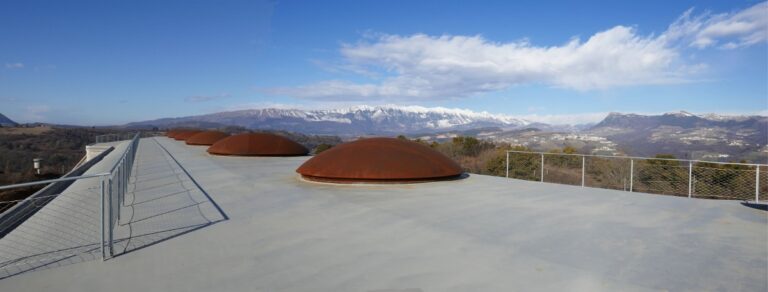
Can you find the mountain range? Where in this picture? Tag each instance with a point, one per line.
(683, 134)
(383, 120)
(359, 120)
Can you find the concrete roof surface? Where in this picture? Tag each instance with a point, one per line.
(280, 233)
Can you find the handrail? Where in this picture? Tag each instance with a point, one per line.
(125, 153)
(47, 181)
(82, 160)
(26, 184)
(709, 186)
(118, 177)
(635, 157)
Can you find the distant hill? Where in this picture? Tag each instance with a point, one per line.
(684, 134)
(6, 122)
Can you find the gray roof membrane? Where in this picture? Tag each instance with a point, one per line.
(220, 223)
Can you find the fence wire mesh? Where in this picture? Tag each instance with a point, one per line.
(526, 166)
(763, 188)
(55, 227)
(65, 229)
(562, 169)
(655, 176)
(607, 173)
(697, 179)
(723, 182)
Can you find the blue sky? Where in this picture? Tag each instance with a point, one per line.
(112, 62)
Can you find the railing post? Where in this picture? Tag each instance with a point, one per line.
(631, 175)
(690, 178)
(757, 183)
(507, 164)
(125, 187)
(109, 219)
(583, 164)
(542, 167)
(119, 179)
(101, 190)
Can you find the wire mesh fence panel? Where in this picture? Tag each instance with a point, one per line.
(526, 166)
(562, 169)
(64, 229)
(763, 188)
(9, 198)
(106, 138)
(607, 173)
(112, 201)
(667, 176)
(659, 176)
(11, 217)
(719, 181)
(53, 227)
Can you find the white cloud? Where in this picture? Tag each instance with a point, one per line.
(728, 30)
(14, 65)
(428, 67)
(423, 67)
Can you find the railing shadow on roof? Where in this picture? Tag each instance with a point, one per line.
(177, 204)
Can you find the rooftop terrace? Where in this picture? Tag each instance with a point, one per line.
(198, 222)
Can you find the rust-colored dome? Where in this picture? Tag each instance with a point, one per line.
(206, 138)
(184, 135)
(380, 160)
(173, 132)
(257, 144)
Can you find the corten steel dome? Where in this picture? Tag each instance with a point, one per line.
(170, 133)
(257, 144)
(206, 138)
(380, 160)
(173, 132)
(184, 135)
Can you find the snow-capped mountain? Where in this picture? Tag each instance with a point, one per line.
(350, 121)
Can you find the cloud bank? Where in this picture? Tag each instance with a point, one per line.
(421, 67)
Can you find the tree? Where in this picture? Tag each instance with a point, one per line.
(470, 146)
(497, 165)
(520, 148)
(570, 150)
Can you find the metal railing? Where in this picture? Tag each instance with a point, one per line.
(76, 220)
(113, 189)
(691, 178)
(106, 138)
